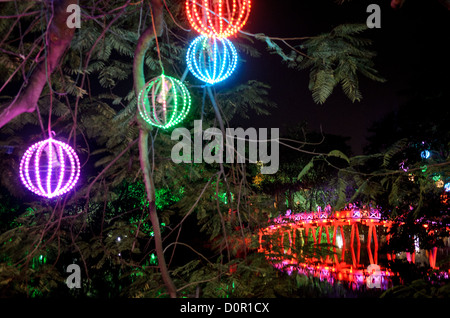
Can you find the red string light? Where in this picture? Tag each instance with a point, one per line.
(218, 18)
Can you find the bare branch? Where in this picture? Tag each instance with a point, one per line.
(59, 37)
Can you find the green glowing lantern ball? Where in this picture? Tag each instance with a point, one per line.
(164, 102)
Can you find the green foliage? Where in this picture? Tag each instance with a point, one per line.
(334, 58)
(239, 100)
(418, 289)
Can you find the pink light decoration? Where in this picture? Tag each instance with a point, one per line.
(50, 168)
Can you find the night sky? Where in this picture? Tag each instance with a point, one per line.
(413, 42)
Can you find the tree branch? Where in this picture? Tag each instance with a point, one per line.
(139, 82)
(59, 38)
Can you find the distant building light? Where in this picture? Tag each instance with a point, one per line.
(425, 154)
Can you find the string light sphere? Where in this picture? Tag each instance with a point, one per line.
(211, 60)
(218, 18)
(164, 102)
(50, 168)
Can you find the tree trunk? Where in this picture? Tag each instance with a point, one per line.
(139, 82)
(59, 37)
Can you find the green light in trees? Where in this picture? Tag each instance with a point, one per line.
(163, 225)
(223, 197)
(37, 261)
(166, 197)
(153, 259)
(436, 178)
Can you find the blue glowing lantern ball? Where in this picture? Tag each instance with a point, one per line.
(211, 59)
(425, 154)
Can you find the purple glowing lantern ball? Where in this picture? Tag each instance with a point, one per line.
(50, 168)
(447, 187)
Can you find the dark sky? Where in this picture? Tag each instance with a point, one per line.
(412, 42)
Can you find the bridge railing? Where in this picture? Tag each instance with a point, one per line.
(344, 215)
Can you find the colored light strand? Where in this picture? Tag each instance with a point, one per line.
(218, 18)
(211, 60)
(164, 102)
(54, 169)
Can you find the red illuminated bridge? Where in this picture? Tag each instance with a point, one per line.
(345, 245)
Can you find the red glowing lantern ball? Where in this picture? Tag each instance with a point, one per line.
(218, 18)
